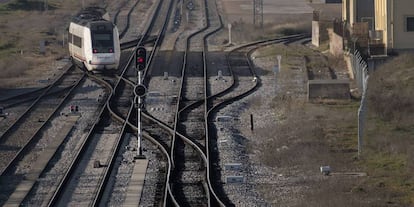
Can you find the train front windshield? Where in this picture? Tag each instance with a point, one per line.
(102, 39)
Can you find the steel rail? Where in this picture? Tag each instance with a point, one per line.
(59, 192)
(217, 200)
(115, 19)
(30, 108)
(24, 95)
(106, 109)
(140, 42)
(30, 97)
(128, 20)
(27, 144)
(202, 149)
(228, 101)
(110, 168)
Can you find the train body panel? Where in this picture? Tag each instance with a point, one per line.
(94, 42)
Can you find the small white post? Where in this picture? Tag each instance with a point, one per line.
(279, 62)
(229, 25)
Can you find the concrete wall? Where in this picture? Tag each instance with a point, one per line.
(335, 43)
(315, 33)
(320, 32)
(328, 89)
(357, 10)
(402, 38)
(395, 36)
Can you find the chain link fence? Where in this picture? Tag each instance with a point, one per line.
(360, 70)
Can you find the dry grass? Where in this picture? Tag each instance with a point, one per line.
(243, 31)
(12, 68)
(389, 135)
(309, 135)
(20, 39)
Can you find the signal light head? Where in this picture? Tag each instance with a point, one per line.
(140, 90)
(140, 58)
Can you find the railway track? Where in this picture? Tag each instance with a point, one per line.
(99, 128)
(190, 178)
(185, 147)
(119, 102)
(20, 139)
(23, 131)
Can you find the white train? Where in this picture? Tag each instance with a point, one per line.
(94, 40)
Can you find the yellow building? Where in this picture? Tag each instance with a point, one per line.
(354, 11)
(394, 19)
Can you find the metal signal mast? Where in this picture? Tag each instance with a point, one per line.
(258, 12)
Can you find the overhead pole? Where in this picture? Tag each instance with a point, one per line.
(258, 13)
(45, 4)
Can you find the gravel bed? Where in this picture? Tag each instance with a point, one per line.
(82, 188)
(193, 21)
(32, 122)
(87, 99)
(13, 114)
(161, 100)
(218, 85)
(236, 141)
(125, 169)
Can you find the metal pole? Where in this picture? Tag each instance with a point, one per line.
(361, 111)
(261, 14)
(139, 151)
(229, 25)
(251, 122)
(254, 12)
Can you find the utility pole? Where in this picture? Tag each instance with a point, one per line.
(45, 5)
(258, 13)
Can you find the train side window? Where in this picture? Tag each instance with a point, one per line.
(77, 41)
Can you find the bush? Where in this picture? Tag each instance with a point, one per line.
(12, 68)
(390, 89)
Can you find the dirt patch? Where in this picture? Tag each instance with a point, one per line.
(26, 51)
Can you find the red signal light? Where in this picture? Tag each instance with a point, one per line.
(140, 58)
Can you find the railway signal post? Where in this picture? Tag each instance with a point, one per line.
(140, 91)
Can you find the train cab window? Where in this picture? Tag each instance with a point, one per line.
(77, 41)
(102, 42)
